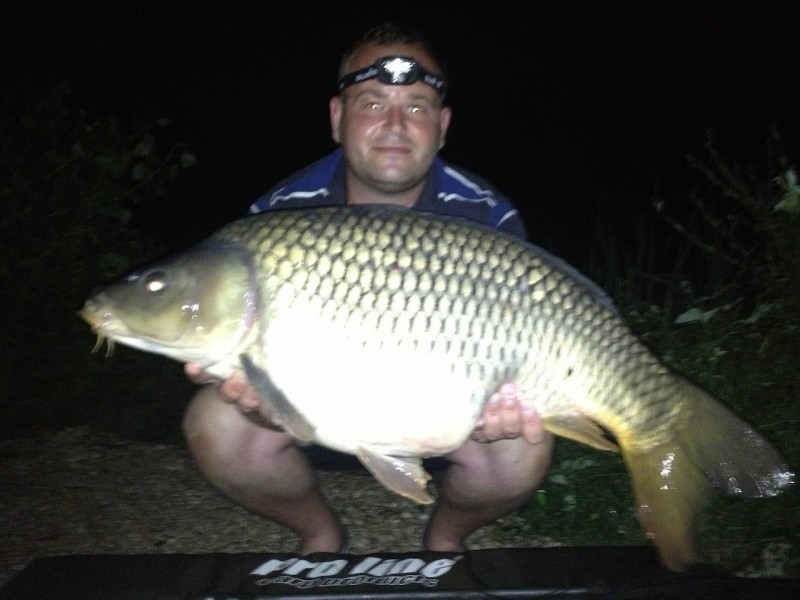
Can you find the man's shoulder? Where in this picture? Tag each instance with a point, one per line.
(460, 192)
(314, 185)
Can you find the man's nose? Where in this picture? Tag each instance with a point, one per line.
(395, 118)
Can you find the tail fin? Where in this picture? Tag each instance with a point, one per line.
(672, 481)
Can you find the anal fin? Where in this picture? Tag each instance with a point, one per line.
(401, 475)
(580, 429)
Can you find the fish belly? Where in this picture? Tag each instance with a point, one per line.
(359, 387)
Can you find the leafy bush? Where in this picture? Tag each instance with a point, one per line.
(69, 183)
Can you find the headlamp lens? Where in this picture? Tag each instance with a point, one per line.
(395, 70)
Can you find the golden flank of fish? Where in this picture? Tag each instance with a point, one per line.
(354, 321)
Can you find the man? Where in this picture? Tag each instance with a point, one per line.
(390, 124)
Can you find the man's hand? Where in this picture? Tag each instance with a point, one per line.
(233, 390)
(505, 417)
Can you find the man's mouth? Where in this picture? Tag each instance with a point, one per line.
(392, 149)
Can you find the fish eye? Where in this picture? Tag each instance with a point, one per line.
(155, 281)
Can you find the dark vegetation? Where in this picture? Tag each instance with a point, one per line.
(70, 184)
(713, 285)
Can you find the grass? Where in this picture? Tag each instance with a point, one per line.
(585, 500)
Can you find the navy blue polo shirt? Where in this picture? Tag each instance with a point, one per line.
(448, 190)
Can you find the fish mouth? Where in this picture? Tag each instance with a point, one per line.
(108, 328)
(89, 314)
(98, 320)
(98, 324)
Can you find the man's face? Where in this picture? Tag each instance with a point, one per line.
(390, 134)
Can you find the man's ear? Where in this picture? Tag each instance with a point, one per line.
(444, 123)
(335, 107)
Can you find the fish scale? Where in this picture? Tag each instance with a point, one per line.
(352, 321)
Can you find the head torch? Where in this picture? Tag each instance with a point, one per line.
(395, 70)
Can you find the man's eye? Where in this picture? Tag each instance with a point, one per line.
(415, 109)
(373, 106)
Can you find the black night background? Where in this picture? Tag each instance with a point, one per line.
(569, 107)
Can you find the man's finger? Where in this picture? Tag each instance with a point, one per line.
(196, 374)
(532, 429)
(235, 387)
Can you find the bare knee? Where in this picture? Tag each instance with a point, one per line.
(508, 469)
(206, 422)
(224, 443)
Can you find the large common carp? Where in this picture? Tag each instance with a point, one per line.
(382, 332)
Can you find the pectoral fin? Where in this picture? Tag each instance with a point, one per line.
(581, 429)
(403, 476)
(286, 415)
